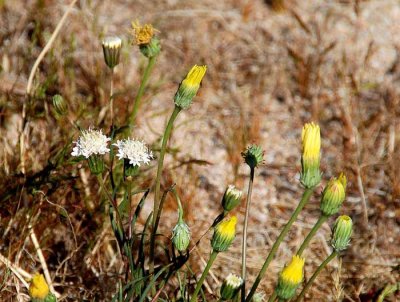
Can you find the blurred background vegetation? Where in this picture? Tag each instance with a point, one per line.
(272, 66)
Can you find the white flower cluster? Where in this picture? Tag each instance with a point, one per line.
(234, 281)
(91, 142)
(134, 150)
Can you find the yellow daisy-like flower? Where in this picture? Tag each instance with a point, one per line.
(224, 234)
(190, 85)
(38, 288)
(310, 159)
(293, 273)
(290, 278)
(142, 34)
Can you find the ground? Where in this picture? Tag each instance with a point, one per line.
(270, 70)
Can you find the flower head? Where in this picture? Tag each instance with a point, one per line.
(253, 156)
(230, 287)
(290, 278)
(190, 85)
(111, 49)
(38, 288)
(133, 150)
(224, 234)
(91, 142)
(310, 159)
(181, 236)
(341, 233)
(333, 195)
(142, 34)
(231, 198)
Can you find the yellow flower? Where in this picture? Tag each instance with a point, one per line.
(311, 139)
(224, 234)
(290, 278)
(190, 85)
(310, 159)
(194, 77)
(38, 288)
(293, 273)
(142, 34)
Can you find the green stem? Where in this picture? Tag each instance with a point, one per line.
(316, 273)
(111, 199)
(143, 83)
(310, 235)
(167, 134)
(178, 201)
(244, 242)
(112, 97)
(273, 297)
(305, 198)
(203, 276)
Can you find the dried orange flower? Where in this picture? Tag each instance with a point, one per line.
(142, 34)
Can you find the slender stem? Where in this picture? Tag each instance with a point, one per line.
(273, 297)
(310, 235)
(129, 188)
(143, 83)
(111, 199)
(203, 276)
(112, 97)
(244, 242)
(178, 201)
(305, 198)
(316, 273)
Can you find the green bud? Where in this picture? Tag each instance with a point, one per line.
(59, 104)
(112, 51)
(96, 164)
(181, 236)
(230, 287)
(333, 195)
(341, 233)
(151, 49)
(231, 198)
(253, 156)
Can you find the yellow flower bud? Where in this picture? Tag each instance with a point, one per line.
(38, 288)
(190, 85)
(290, 278)
(333, 195)
(310, 159)
(224, 234)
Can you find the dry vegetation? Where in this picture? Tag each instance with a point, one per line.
(269, 71)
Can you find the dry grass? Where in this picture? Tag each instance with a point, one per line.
(334, 62)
